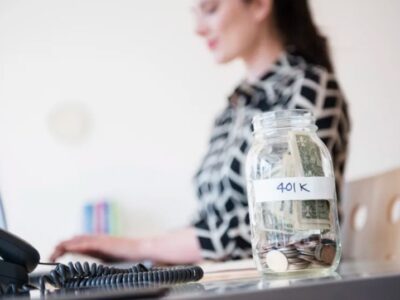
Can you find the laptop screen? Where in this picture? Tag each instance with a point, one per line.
(3, 223)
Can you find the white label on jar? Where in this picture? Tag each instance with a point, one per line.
(294, 188)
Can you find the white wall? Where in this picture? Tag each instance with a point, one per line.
(146, 91)
(366, 45)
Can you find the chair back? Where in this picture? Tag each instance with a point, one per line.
(371, 224)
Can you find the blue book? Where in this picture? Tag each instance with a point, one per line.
(88, 212)
(107, 218)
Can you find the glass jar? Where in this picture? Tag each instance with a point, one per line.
(292, 196)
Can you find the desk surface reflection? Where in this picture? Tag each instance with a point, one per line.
(353, 280)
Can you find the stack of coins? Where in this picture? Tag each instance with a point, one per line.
(285, 259)
(309, 252)
(306, 248)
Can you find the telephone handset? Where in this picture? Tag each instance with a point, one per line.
(20, 259)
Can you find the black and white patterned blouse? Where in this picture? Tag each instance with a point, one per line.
(222, 221)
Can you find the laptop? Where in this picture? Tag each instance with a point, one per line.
(3, 223)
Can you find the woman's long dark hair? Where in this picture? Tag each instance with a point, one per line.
(299, 34)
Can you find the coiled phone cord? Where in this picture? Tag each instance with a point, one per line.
(15, 289)
(80, 275)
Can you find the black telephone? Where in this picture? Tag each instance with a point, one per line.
(20, 259)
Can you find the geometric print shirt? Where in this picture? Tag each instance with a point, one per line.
(222, 222)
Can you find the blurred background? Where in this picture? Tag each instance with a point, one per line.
(114, 99)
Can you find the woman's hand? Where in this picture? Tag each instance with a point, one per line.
(104, 247)
(177, 247)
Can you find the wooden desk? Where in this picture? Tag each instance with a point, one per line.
(240, 280)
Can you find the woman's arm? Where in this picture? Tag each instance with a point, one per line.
(177, 247)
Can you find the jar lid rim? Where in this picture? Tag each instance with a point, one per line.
(283, 118)
(284, 114)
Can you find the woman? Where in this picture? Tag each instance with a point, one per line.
(287, 66)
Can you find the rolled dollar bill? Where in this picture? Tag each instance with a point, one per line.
(306, 155)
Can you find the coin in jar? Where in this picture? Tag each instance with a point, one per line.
(287, 248)
(299, 266)
(277, 261)
(327, 254)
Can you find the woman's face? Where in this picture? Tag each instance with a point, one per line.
(229, 27)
